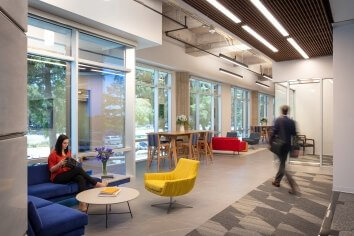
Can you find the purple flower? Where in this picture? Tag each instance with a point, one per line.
(104, 153)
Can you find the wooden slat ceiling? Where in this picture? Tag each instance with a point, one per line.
(305, 20)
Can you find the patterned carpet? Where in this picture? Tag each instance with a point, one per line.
(268, 210)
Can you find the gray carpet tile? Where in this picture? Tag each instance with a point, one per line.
(268, 210)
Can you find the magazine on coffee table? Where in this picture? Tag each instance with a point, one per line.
(109, 192)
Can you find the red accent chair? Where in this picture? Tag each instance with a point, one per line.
(228, 144)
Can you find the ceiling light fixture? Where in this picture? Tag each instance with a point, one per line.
(233, 61)
(224, 10)
(230, 73)
(263, 85)
(270, 17)
(259, 38)
(267, 77)
(297, 47)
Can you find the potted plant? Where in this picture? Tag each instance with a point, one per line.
(264, 121)
(182, 122)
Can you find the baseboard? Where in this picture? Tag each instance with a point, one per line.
(343, 189)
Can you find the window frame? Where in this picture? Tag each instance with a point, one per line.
(215, 97)
(74, 62)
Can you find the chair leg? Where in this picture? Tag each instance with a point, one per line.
(313, 149)
(171, 205)
(158, 159)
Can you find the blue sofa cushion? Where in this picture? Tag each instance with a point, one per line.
(61, 219)
(38, 174)
(49, 190)
(30, 231)
(34, 218)
(39, 202)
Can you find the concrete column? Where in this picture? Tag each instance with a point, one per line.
(254, 108)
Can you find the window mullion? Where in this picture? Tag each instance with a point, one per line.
(156, 101)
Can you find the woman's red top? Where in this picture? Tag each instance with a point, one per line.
(54, 159)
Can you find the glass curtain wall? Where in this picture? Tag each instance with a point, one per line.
(100, 79)
(48, 86)
(153, 98)
(262, 107)
(240, 111)
(205, 105)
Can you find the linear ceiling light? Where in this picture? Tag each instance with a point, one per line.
(267, 77)
(259, 38)
(297, 47)
(230, 73)
(233, 61)
(224, 10)
(261, 84)
(270, 17)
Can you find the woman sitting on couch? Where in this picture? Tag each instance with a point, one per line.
(61, 173)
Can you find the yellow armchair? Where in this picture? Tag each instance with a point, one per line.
(178, 182)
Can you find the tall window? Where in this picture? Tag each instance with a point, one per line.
(48, 90)
(101, 95)
(240, 111)
(100, 82)
(153, 98)
(48, 86)
(205, 105)
(262, 107)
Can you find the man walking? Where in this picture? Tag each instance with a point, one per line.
(284, 128)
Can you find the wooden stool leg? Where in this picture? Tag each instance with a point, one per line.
(158, 159)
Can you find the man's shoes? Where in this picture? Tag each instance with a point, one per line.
(276, 184)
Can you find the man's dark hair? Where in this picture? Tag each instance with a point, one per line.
(58, 145)
(284, 110)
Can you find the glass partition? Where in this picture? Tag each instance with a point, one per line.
(311, 106)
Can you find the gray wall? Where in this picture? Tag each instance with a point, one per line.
(13, 125)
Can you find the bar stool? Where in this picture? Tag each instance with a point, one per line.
(193, 143)
(205, 146)
(162, 151)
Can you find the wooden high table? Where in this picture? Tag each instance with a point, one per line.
(172, 136)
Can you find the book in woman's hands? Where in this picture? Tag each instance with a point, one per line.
(109, 192)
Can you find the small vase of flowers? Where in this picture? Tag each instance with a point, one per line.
(103, 154)
(182, 121)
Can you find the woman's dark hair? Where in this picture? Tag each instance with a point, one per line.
(59, 143)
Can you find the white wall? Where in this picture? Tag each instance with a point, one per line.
(318, 67)
(125, 18)
(343, 70)
(172, 56)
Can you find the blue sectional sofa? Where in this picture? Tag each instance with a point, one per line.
(39, 185)
(46, 218)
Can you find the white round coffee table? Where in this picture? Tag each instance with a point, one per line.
(91, 197)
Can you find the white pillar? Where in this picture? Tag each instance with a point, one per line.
(130, 112)
(74, 127)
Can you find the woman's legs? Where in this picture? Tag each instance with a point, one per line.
(68, 176)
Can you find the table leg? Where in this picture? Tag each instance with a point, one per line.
(131, 214)
(106, 216)
(87, 207)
